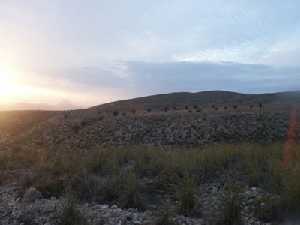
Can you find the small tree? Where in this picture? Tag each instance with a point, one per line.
(115, 113)
(260, 108)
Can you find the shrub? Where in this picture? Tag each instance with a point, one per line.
(129, 193)
(291, 188)
(167, 179)
(187, 196)
(76, 128)
(268, 209)
(50, 186)
(87, 187)
(232, 211)
(71, 215)
(165, 219)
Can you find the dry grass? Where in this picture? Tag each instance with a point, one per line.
(117, 174)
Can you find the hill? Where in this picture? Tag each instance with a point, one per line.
(181, 158)
(169, 119)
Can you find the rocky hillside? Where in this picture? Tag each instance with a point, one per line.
(174, 119)
(14, 123)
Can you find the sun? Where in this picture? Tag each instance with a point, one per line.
(8, 85)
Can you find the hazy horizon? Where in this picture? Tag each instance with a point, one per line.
(74, 54)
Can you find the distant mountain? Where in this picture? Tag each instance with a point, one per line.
(205, 98)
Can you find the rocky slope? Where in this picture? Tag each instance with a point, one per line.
(31, 208)
(174, 119)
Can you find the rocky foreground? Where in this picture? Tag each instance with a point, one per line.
(32, 208)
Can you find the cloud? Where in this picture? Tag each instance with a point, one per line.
(109, 82)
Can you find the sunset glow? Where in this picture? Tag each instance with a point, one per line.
(9, 88)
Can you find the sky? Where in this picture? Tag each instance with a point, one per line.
(64, 54)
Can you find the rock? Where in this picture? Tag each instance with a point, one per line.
(31, 195)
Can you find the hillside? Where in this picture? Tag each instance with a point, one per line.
(203, 158)
(15, 123)
(171, 119)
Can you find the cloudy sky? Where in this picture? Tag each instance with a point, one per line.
(78, 53)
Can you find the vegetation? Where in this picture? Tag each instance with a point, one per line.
(186, 196)
(71, 215)
(232, 211)
(121, 175)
